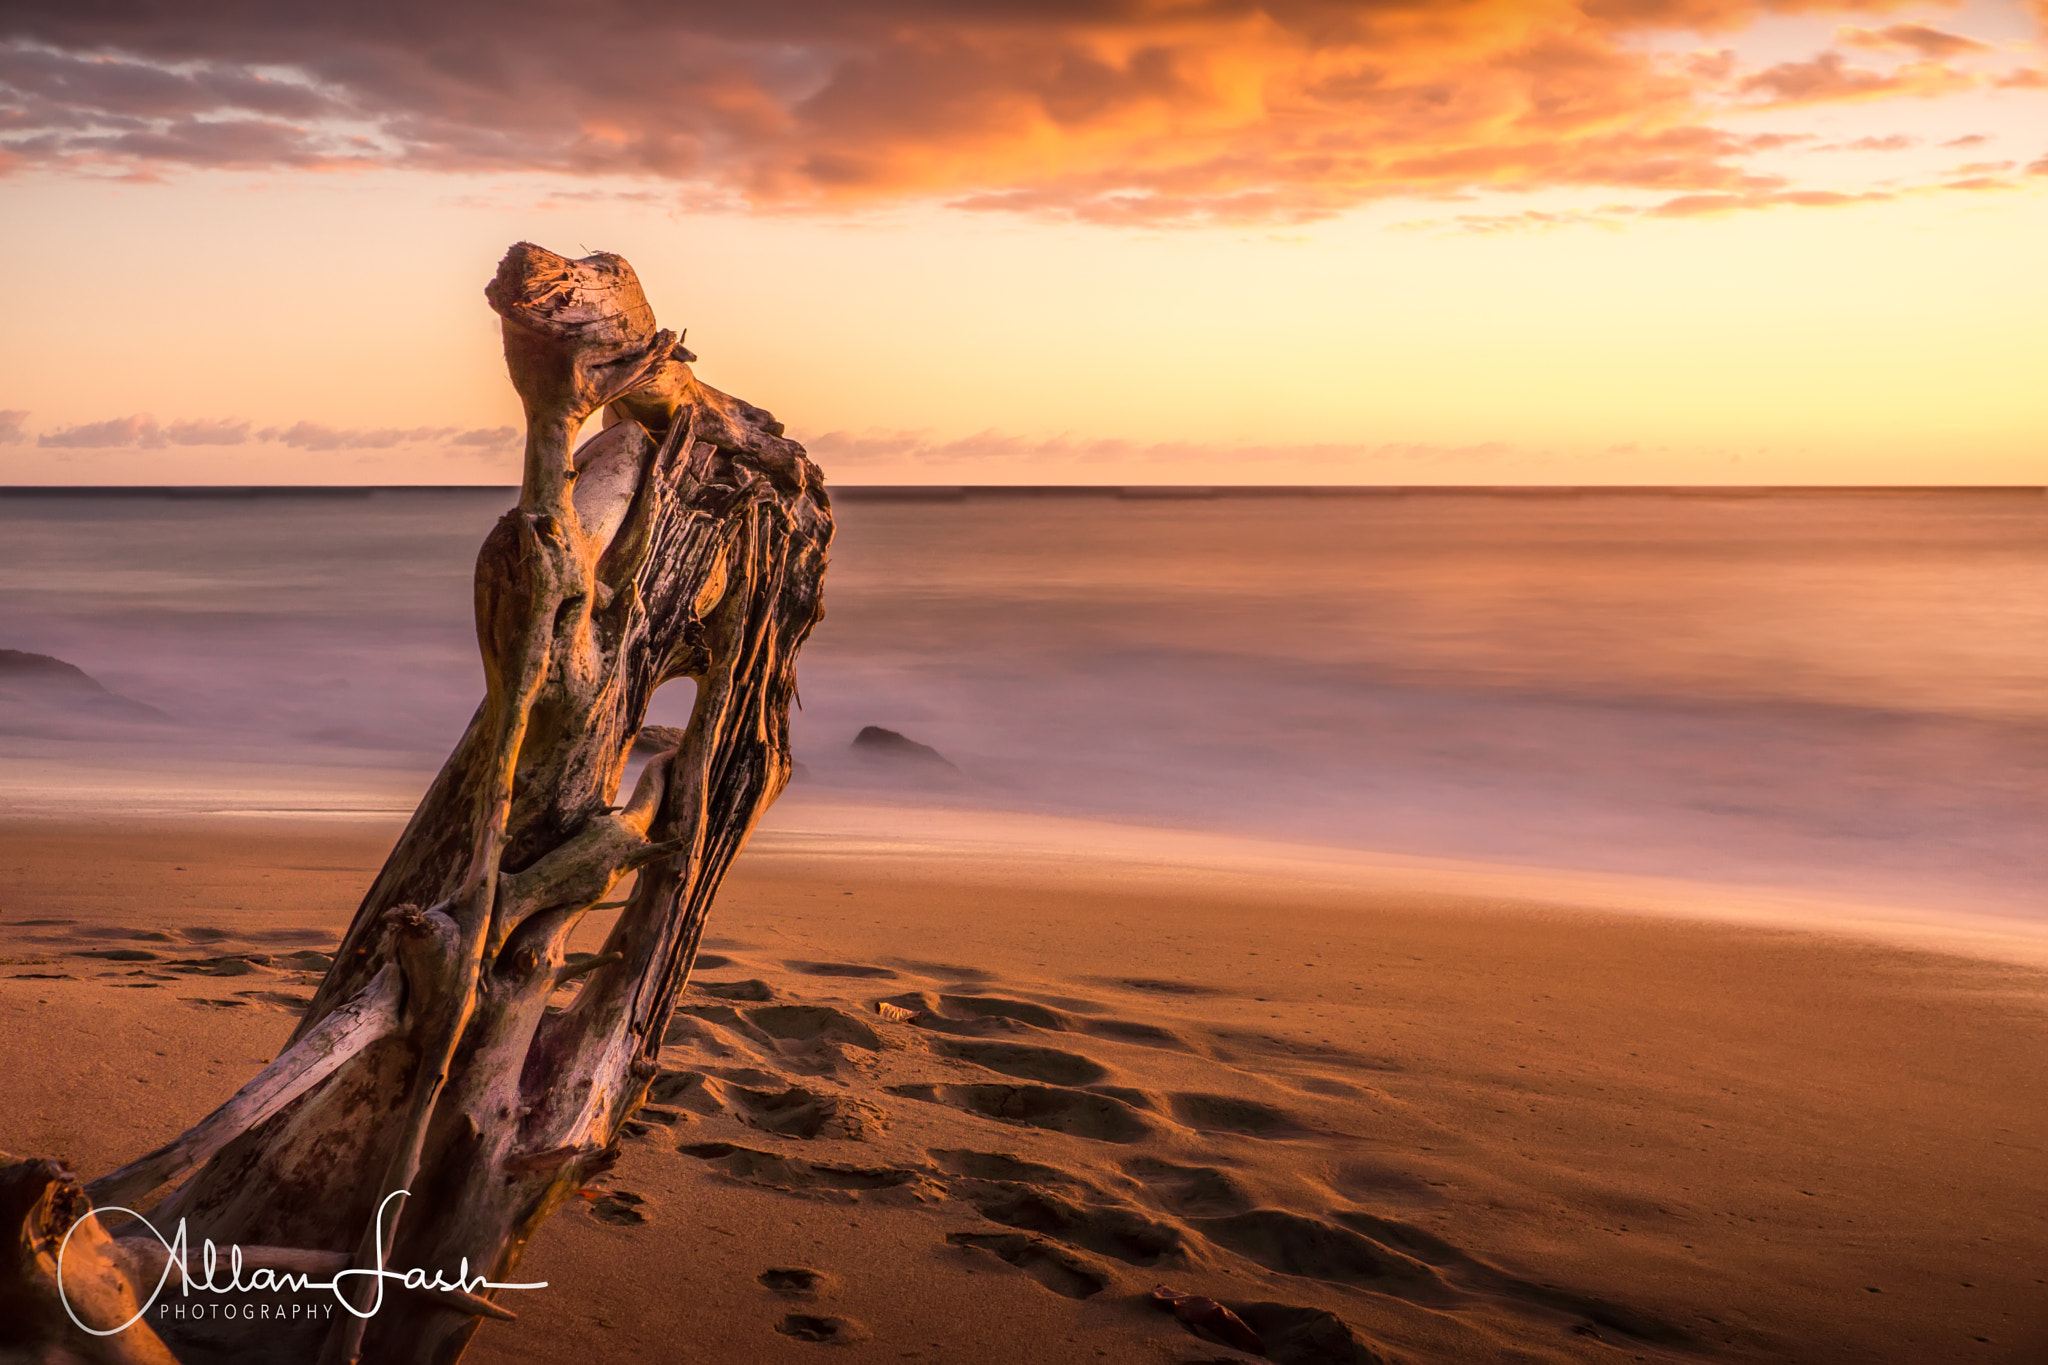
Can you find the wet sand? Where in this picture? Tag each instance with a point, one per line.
(1383, 1121)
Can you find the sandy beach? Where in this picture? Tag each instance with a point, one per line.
(1381, 1122)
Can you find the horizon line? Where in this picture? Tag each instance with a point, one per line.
(956, 492)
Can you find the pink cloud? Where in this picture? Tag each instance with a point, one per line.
(140, 429)
(1927, 42)
(144, 431)
(1828, 77)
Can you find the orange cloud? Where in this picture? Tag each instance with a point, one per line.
(1928, 42)
(1829, 77)
(1891, 142)
(1107, 110)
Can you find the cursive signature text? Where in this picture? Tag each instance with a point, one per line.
(264, 1278)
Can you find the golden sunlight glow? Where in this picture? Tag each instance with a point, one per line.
(1483, 242)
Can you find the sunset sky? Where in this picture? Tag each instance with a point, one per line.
(1066, 241)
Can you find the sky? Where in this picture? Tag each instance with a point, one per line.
(1062, 241)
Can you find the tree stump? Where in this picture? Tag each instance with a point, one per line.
(687, 540)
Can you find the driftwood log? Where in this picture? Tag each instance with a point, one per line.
(453, 1051)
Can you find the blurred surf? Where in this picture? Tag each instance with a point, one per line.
(1843, 692)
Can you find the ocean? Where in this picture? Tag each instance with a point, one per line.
(1841, 693)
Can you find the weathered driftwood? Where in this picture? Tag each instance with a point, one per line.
(372, 1014)
(687, 540)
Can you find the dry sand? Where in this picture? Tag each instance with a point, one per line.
(1385, 1123)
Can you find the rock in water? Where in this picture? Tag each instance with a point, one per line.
(35, 682)
(40, 670)
(875, 742)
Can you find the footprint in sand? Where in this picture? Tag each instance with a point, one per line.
(794, 1175)
(1304, 1336)
(283, 1000)
(756, 991)
(1191, 1191)
(621, 1208)
(812, 1038)
(1376, 1183)
(1024, 1061)
(794, 1282)
(1300, 1049)
(691, 1090)
(945, 971)
(979, 1015)
(814, 1024)
(1082, 1113)
(848, 969)
(117, 931)
(233, 965)
(752, 1076)
(648, 1117)
(687, 1029)
(824, 1330)
(1144, 1035)
(1368, 1252)
(995, 1008)
(1000, 1166)
(1058, 1269)
(1112, 1230)
(801, 1113)
(1154, 985)
(724, 1016)
(292, 935)
(1296, 1245)
(1468, 1272)
(1230, 1114)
